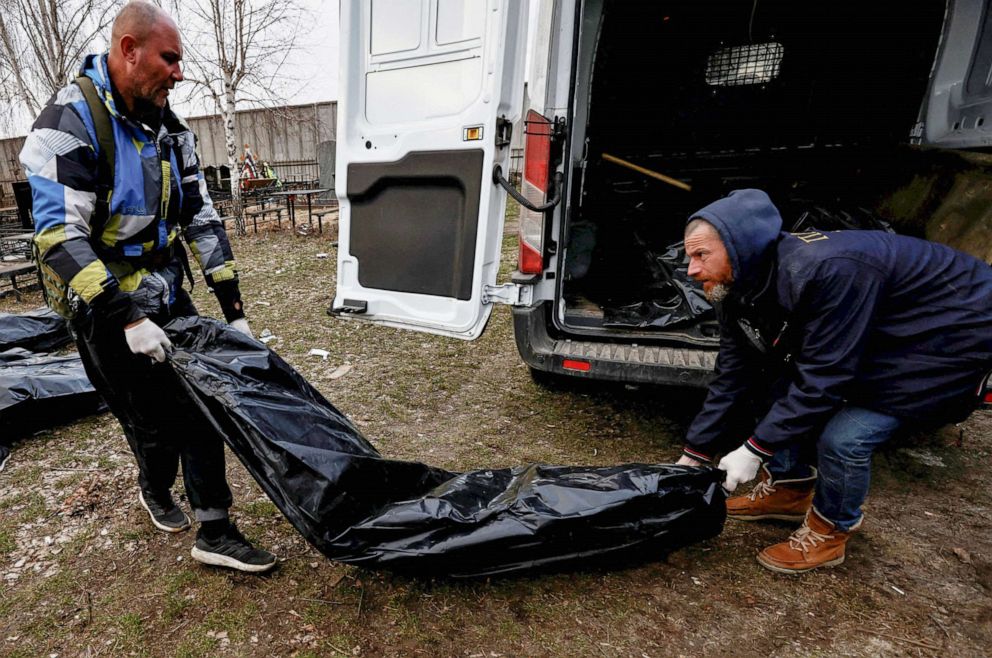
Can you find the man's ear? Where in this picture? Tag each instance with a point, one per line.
(129, 48)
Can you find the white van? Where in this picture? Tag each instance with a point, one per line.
(639, 113)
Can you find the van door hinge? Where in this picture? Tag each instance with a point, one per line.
(504, 132)
(350, 307)
(513, 294)
(916, 134)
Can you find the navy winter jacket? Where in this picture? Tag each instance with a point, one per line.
(890, 323)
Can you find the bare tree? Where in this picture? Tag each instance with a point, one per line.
(42, 43)
(234, 52)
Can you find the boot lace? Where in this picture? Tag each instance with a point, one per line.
(805, 538)
(761, 490)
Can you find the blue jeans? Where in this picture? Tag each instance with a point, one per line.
(843, 460)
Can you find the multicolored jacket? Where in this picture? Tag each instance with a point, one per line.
(129, 266)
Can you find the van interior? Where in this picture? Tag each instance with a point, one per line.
(812, 102)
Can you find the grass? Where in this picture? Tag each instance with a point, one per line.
(25, 507)
(132, 628)
(236, 620)
(7, 541)
(201, 647)
(260, 509)
(174, 586)
(462, 405)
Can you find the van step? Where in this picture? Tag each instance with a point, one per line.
(640, 354)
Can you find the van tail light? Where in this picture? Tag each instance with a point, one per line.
(537, 163)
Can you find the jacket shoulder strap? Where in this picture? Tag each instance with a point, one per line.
(105, 159)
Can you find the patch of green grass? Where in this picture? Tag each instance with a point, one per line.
(13, 501)
(31, 506)
(7, 543)
(58, 592)
(177, 581)
(235, 621)
(174, 585)
(197, 647)
(7, 602)
(317, 613)
(19, 652)
(49, 602)
(132, 535)
(174, 607)
(131, 627)
(260, 509)
(62, 582)
(30, 473)
(338, 644)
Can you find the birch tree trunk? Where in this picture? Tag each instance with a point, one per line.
(230, 130)
(238, 48)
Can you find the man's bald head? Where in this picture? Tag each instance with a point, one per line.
(138, 18)
(145, 55)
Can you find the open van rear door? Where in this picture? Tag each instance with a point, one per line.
(957, 112)
(430, 89)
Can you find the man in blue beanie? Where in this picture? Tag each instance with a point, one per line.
(833, 340)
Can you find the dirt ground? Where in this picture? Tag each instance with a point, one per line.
(83, 573)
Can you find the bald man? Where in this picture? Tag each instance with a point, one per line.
(109, 229)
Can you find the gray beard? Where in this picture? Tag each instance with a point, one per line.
(718, 293)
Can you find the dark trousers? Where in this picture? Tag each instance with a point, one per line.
(162, 426)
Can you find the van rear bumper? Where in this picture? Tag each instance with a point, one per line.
(618, 362)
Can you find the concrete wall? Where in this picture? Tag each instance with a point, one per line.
(284, 134)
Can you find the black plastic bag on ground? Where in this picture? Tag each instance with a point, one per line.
(40, 330)
(38, 391)
(356, 507)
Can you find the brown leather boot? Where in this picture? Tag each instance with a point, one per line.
(814, 544)
(786, 500)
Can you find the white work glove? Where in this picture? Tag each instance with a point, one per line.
(242, 325)
(741, 465)
(686, 460)
(147, 338)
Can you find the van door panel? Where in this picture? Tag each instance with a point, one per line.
(422, 92)
(957, 112)
(414, 222)
(424, 83)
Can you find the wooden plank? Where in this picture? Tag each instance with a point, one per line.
(14, 269)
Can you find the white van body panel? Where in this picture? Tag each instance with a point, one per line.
(957, 112)
(420, 77)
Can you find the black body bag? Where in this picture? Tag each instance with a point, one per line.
(38, 391)
(356, 507)
(40, 330)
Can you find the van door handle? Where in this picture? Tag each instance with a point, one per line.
(520, 198)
